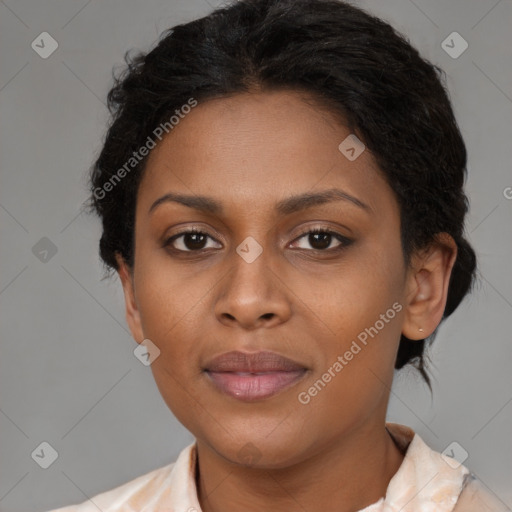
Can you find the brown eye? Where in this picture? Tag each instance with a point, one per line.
(323, 240)
(189, 241)
(320, 240)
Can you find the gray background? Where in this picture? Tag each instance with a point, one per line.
(68, 373)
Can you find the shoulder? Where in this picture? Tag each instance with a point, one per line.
(132, 493)
(429, 480)
(475, 497)
(161, 487)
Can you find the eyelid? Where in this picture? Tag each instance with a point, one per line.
(318, 227)
(207, 230)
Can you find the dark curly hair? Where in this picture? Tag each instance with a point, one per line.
(351, 62)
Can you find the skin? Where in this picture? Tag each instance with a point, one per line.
(248, 152)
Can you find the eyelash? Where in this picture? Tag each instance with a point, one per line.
(344, 241)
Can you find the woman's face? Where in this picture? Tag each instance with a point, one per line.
(255, 281)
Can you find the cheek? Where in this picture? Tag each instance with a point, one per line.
(349, 298)
(167, 308)
(170, 312)
(167, 298)
(359, 360)
(363, 313)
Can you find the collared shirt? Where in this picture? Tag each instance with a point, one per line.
(426, 481)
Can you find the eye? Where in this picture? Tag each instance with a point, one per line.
(192, 240)
(321, 239)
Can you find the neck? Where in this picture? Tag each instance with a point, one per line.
(345, 476)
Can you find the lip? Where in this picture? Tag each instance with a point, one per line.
(253, 376)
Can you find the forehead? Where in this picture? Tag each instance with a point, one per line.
(255, 149)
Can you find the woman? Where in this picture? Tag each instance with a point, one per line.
(281, 192)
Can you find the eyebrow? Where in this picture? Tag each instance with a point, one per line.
(284, 207)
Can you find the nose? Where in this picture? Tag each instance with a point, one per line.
(252, 296)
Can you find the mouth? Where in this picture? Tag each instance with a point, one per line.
(253, 376)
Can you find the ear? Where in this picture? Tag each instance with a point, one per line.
(132, 311)
(427, 287)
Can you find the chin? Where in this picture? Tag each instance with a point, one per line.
(254, 450)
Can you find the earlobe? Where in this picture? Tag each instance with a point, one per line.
(131, 308)
(428, 282)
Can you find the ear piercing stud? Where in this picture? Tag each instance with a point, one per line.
(420, 329)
